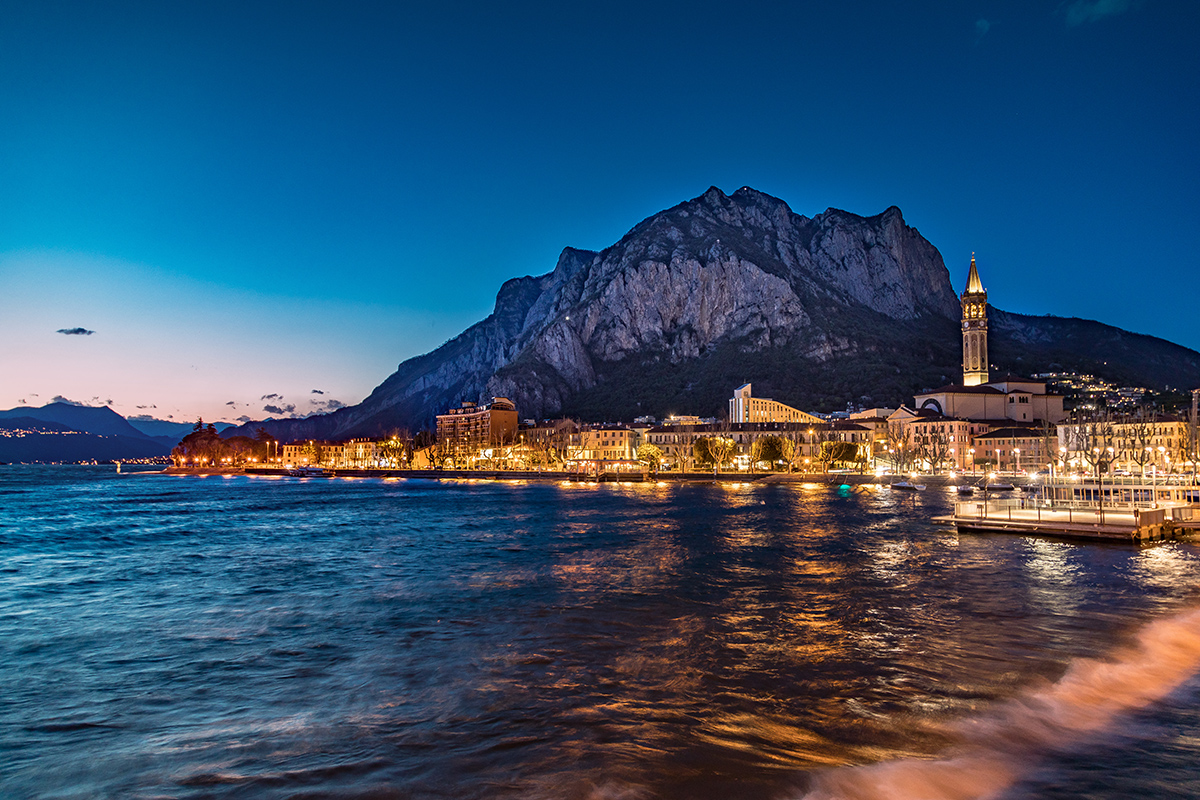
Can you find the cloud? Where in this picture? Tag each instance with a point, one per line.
(75, 331)
(244, 418)
(982, 26)
(1084, 11)
(325, 406)
(143, 417)
(58, 398)
(317, 391)
(149, 406)
(231, 403)
(288, 409)
(271, 396)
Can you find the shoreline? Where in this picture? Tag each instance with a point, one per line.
(835, 479)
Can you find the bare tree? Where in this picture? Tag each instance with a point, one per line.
(900, 445)
(1139, 435)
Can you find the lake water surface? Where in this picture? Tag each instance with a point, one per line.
(279, 637)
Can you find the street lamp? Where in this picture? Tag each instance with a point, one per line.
(972, 462)
(1017, 450)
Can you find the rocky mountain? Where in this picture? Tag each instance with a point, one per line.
(724, 289)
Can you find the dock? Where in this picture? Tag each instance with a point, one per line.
(1074, 521)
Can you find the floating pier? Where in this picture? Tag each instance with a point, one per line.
(1074, 521)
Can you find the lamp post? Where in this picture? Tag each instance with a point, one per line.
(972, 462)
(1017, 450)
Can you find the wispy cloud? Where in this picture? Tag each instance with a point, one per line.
(325, 406)
(58, 398)
(75, 331)
(1084, 11)
(317, 391)
(271, 396)
(280, 410)
(982, 26)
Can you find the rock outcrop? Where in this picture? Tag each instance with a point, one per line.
(736, 284)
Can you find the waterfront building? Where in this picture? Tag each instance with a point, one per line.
(676, 441)
(464, 432)
(743, 407)
(1143, 444)
(1016, 449)
(926, 439)
(609, 443)
(1010, 398)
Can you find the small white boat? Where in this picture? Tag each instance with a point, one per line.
(306, 472)
(906, 486)
(964, 489)
(999, 487)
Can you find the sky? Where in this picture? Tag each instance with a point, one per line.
(241, 210)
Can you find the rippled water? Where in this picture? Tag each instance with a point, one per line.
(235, 637)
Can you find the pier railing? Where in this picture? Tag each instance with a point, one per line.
(1072, 512)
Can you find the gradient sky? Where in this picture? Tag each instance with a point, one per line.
(243, 200)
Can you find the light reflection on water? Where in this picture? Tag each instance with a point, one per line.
(419, 639)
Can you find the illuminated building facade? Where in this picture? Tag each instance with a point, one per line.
(975, 330)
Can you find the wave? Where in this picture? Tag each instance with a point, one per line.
(997, 748)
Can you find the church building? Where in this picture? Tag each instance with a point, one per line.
(980, 398)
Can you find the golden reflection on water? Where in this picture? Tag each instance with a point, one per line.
(1053, 573)
(1168, 565)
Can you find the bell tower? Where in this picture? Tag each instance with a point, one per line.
(974, 326)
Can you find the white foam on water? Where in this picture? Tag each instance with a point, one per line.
(995, 749)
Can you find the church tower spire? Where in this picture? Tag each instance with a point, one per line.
(974, 325)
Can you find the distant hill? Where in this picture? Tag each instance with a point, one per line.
(97, 433)
(29, 440)
(725, 289)
(87, 419)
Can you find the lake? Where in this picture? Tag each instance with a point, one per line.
(242, 636)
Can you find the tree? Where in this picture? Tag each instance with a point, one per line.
(720, 448)
(1049, 435)
(1139, 435)
(900, 445)
(933, 447)
(1093, 438)
(392, 452)
(651, 455)
(771, 449)
(714, 450)
(838, 452)
(312, 453)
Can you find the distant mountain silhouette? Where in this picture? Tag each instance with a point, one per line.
(41, 441)
(86, 419)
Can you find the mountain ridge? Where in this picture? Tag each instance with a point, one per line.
(710, 281)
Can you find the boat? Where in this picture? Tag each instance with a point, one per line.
(907, 486)
(965, 488)
(306, 472)
(999, 487)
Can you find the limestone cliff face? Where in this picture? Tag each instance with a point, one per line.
(711, 270)
(720, 290)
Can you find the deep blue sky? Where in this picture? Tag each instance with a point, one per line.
(244, 199)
